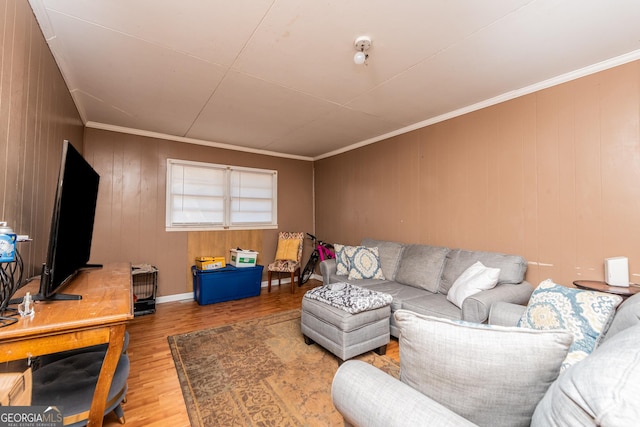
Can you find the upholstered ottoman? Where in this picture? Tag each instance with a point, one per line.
(346, 326)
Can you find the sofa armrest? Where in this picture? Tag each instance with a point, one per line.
(476, 307)
(366, 396)
(327, 269)
(505, 313)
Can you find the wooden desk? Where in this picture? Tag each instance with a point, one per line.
(99, 317)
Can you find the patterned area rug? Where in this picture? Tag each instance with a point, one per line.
(259, 373)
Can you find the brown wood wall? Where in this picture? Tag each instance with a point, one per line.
(553, 176)
(130, 218)
(36, 114)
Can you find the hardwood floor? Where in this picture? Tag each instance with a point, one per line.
(154, 397)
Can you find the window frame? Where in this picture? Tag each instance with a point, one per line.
(227, 198)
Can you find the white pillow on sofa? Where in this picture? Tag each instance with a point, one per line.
(473, 280)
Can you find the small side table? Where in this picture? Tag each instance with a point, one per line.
(597, 285)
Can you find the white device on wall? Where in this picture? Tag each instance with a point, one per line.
(616, 271)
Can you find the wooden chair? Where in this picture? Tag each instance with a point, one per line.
(287, 257)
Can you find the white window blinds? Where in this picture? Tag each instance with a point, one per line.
(204, 196)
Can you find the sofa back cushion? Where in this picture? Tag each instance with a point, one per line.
(389, 253)
(600, 390)
(628, 315)
(421, 266)
(512, 267)
(491, 375)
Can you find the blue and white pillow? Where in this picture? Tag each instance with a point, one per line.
(342, 262)
(364, 263)
(586, 314)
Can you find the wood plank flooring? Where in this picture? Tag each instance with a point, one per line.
(154, 397)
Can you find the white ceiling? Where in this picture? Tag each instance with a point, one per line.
(278, 76)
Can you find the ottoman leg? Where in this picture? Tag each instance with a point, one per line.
(382, 350)
(307, 340)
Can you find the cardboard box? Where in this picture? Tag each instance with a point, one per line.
(242, 258)
(226, 284)
(210, 262)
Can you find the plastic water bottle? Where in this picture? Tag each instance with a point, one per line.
(7, 243)
(25, 308)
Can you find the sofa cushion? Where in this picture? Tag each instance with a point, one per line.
(364, 263)
(601, 390)
(585, 314)
(389, 253)
(501, 372)
(512, 267)
(399, 292)
(421, 266)
(475, 279)
(433, 305)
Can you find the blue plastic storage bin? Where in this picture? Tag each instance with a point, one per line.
(226, 284)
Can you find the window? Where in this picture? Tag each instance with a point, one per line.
(205, 196)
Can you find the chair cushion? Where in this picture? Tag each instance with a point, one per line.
(586, 314)
(288, 249)
(70, 382)
(283, 266)
(601, 390)
(490, 375)
(421, 266)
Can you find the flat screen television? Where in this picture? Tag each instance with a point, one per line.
(72, 221)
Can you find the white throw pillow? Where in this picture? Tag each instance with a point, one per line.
(474, 279)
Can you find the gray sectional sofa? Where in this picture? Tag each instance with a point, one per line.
(497, 376)
(420, 276)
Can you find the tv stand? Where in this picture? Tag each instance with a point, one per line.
(56, 297)
(99, 317)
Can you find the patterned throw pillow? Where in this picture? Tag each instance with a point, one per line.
(342, 262)
(364, 263)
(586, 314)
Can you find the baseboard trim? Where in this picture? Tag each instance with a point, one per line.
(189, 295)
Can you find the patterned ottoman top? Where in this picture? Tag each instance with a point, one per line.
(350, 298)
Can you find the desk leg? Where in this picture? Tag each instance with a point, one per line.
(100, 396)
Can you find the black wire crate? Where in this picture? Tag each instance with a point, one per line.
(145, 286)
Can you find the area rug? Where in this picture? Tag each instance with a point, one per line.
(259, 373)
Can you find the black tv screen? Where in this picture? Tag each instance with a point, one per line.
(72, 222)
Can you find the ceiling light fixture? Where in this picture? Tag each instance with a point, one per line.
(362, 43)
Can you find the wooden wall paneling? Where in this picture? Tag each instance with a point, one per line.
(428, 184)
(406, 178)
(219, 243)
(547, 180)
(530, 244)
(588, 172)
(101, 158)
(566, 239)
(5, 103)
(508, 214)
(151, 184)
(620, 156)
(132, 209)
